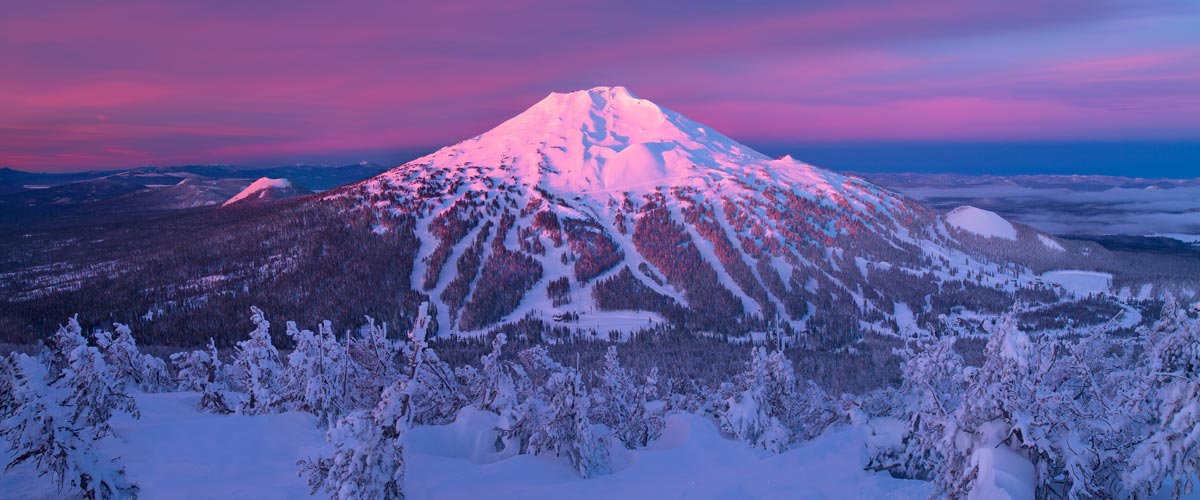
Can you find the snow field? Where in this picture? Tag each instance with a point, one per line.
(981, 222)
(177, 452)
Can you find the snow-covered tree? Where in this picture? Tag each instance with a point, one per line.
(202, 371)
(316, 373)
(368, 457)
(612, 399)
(122, 355)
(1172, 451)
(374, 358)
(931, 393)
(531, 379)
(566, 430)
(755, 406)
(257, 369)
(92, 393)
(439, 396)
(7, 387)
(51, 422)
(493, 387)
(1024, 403)
(620, 403)
(64, 341)
(993, 403)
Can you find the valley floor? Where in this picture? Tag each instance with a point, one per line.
(175, 452)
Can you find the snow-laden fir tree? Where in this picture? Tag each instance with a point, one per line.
(566, 430)
(752, 408)
(91, 391)
(1109, 414)
(493, 387)
(316, 374)
(1172, 451)
(368, 458)
(613, 398)
(1021, 407)
(531, 378)
(122, 355)
(374, 358)
(257, 369)
(7, 387)
(202, 371)
(984, 423)
(64, 341)
(57, 411)
(620, 403)
(437, 395)
(933, 388)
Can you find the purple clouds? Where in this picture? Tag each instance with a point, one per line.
(92, 85)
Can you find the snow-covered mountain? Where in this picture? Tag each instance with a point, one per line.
(264, 190)
(598, 210)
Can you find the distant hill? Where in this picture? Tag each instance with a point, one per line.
(158, 188)
(265, 190)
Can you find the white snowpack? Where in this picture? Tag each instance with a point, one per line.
(176, 452)
(1079, 283)
(259, 187)
(981, 222)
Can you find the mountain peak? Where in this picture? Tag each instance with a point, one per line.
(606, 115)
(610, 92)
(266, 189)
(604, 141)
(591, 184)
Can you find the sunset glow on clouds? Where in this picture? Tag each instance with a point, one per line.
(114, 84)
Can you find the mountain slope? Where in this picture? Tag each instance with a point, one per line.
(594, 203)
(264, 190)
(593, 214)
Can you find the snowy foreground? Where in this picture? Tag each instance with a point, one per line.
(176, 452)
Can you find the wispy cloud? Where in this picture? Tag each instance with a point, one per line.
(269, 81)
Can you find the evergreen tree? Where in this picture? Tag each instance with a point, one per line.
(1173, 370)
(54, 414)
(315, 374)
(566, 430)
(121, 353)
(374, 358)
(202, 371)
(750, 409)
(621, 403)
(368, 457)
(257, 368)
(494, 389)
(931, 393)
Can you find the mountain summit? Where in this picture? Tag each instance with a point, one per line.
(606, 140)
(600, 211)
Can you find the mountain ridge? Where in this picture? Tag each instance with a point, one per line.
(541, 216)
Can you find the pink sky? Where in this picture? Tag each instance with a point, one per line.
(119, 84)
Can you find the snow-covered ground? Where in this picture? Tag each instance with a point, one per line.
(1050, 243)
(1079, 283)
(981, 222)
(176, 452)
(259, 187)
(690, 460)
(624, 322)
